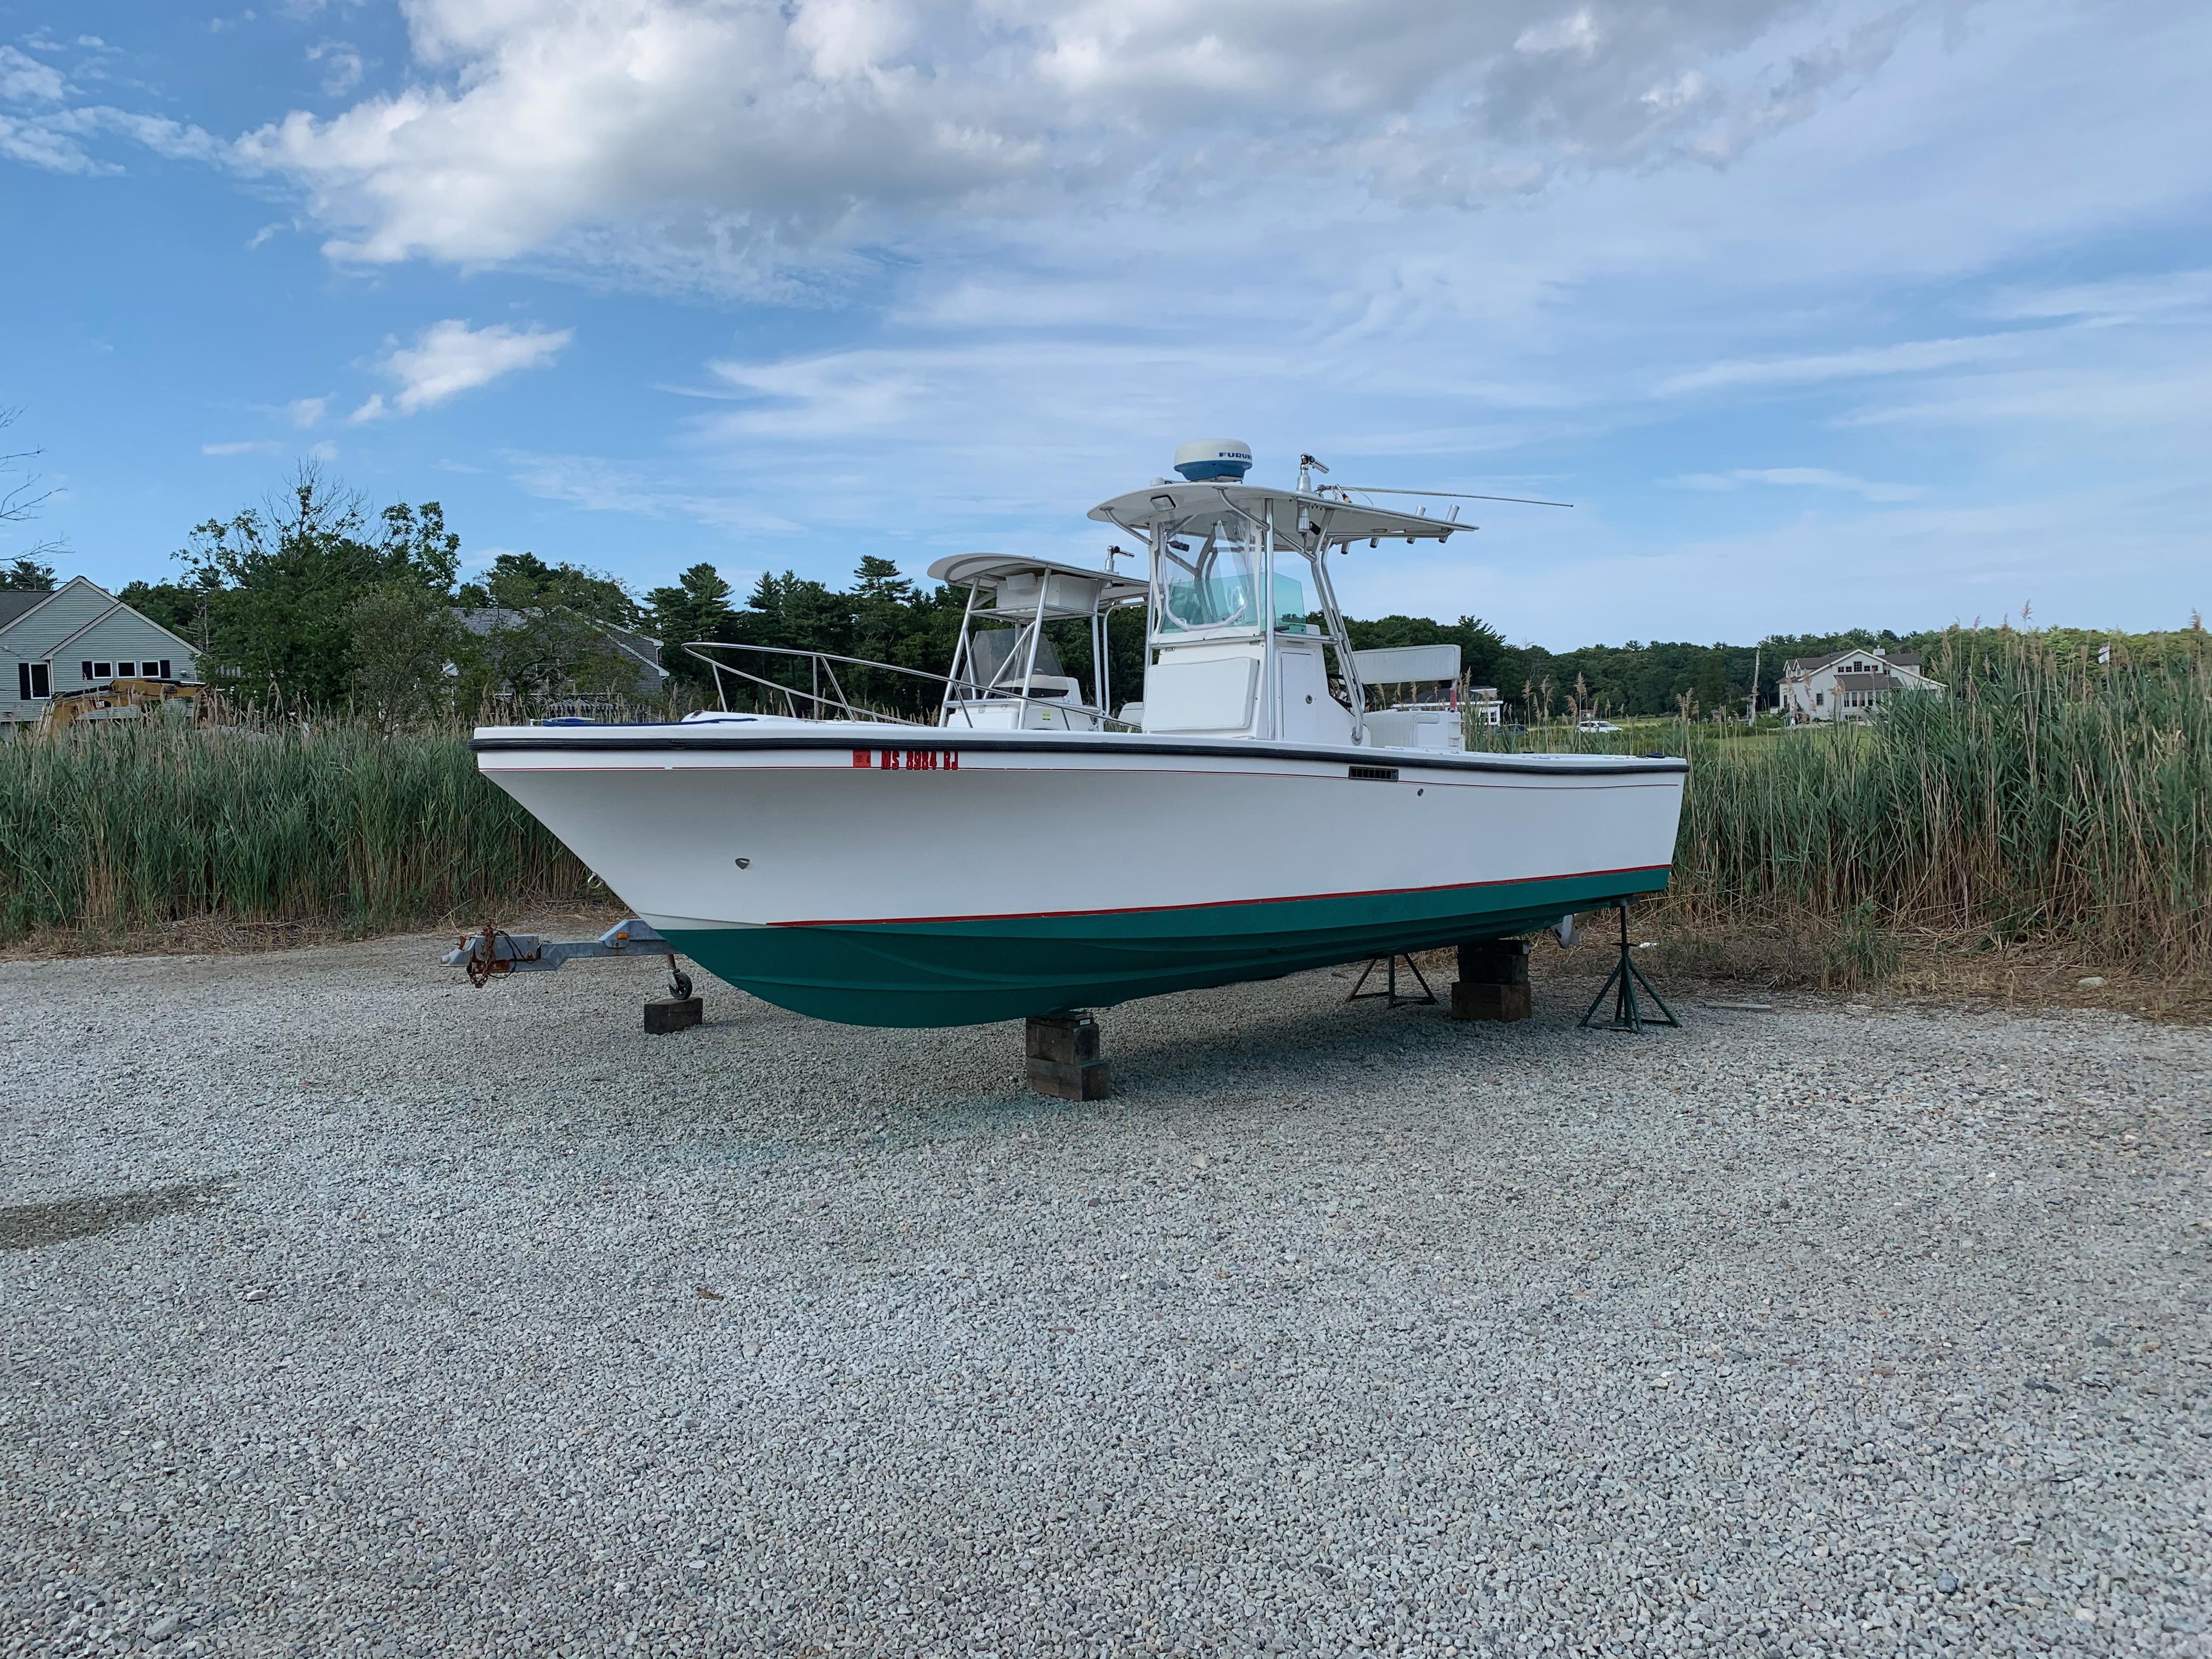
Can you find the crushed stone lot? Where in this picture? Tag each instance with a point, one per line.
(349, 1310)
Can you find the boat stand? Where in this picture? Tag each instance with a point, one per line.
(1628, 1013)
(1063, 1061)
(1395, 1000)
(491, 951)
(1494, 981)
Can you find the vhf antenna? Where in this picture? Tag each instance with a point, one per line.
(1448, 494)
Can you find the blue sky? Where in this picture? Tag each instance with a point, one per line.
(1823, 315)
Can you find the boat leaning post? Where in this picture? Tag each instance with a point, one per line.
(491, 951)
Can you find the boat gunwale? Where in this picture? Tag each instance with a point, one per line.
(1096, 744)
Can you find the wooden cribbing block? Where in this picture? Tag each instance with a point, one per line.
(673, 1014)
(1493, 981)
(1062, 1053)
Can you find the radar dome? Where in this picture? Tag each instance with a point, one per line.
(1206, 459)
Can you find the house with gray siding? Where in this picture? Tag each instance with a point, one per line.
(80, 635)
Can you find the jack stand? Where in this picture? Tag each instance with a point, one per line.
(1627, 1014)
(1395, 1000)
(1063, 1057)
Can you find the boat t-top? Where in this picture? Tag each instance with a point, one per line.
(1003, 840)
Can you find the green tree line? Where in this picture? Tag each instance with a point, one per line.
(311, 601)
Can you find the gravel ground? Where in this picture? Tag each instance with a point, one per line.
(350, 1311)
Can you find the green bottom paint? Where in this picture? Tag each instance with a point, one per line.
(973, 972)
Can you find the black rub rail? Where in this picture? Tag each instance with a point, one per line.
(570, 739)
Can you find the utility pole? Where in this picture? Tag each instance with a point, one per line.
(1751, 703)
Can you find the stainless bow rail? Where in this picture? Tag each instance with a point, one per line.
(823, 669)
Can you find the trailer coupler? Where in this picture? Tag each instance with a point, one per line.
(492, 950)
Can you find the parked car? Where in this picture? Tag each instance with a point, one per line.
(1597, 726)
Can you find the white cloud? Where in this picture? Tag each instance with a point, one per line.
(55, 139)
(1577, 32)
(2124, 299)
(307, 411)
(1906, 357)
(324, 451)
(37, 144)
(25, 80)
(2165, 401)
(1816, 478)
(599, 486)
(449, 358)
(342, 67)
(174, 141)
(725, 135)
(245, 447)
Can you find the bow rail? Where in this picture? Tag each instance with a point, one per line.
(822, 666)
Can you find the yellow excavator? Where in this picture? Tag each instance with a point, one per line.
(120, 699)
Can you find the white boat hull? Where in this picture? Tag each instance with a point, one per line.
(899, 876)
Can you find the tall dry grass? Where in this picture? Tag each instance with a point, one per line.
(2044, 800)
(125, 828)
(2037, 800)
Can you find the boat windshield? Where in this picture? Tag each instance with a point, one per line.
(1208, 578)
(1291, 606)
(992, 650)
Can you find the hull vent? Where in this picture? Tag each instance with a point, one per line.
(1375, 774)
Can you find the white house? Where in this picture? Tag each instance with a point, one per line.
(77, 635)
(1847, 685)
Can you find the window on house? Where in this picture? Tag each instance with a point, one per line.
(1819, 699)
(124, 670)
(32, 681)
(165, 668)
(87, 666)
(101, 671)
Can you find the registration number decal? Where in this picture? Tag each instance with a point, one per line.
(908, 760)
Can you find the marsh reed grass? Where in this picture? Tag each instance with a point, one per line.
(2038, 799)
(127, 827)
(2046, 800)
